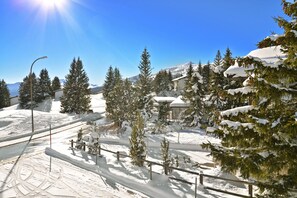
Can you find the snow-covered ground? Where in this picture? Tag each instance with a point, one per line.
(75, 173)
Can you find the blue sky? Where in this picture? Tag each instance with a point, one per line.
(115, 32)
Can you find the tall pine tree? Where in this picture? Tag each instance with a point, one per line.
(56, 84)
(259, 140)
(206, 77)
(162, 83)
(109, 82)
(76, 92)
(144, 83)
(45, 84)
(25, 92)
(216, 89)
(193, 94)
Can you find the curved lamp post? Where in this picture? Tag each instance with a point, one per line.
(31, 90)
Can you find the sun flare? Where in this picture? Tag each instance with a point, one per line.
(52, 4)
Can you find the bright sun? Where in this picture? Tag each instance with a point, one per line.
(52, 4)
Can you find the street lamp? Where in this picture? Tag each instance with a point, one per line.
(31, 91)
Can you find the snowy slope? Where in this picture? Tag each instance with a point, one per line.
(75, 173)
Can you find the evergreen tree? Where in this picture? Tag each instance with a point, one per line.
(164, 109)
(76, 92)
(113, 97)
(187, 95)
(228, 60)
(25, 92)
(229, 83)
(109, 82)
(215, 99)
(194, 95)
(4, 94)
(206, 77)
(137, 143)
(165, 155)
(45, 84)
(120, 99)
(37, 92)
(261, 142)
(56, 84)
(162, 83)
(129, 99)
(144, 84)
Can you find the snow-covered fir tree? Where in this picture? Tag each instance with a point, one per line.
(259, 139)
(206, 77)
(44, 83)
(144, 83)
(129, 99)
(56, 84)
(109, 82)
(120, 97)
(137, 143)
(25, 91)
(162, 83)
(4, 94)
(76, 92)
(229, 83)
(193, 94)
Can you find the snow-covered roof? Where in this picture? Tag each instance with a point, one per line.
(178, 102)
(164, 99)
(269, 55)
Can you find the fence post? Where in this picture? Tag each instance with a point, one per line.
(151, 171)
(118, 155)
(201, 179)
(99, 150)
(251, 190)
(195, 187)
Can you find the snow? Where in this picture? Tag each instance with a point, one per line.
(237, 71)
(178, 102)
(75, 173)
(242, 90)
(269, 56)
(235, 111)
(164, 99)
(273, 37)
(236, 125)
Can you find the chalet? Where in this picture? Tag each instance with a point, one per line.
(177, 105)
(179, 83)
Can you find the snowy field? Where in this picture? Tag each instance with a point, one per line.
(75, 173)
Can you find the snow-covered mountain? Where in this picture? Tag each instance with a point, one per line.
(176, 71)
(180, 70)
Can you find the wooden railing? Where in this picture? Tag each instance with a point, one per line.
(200, 175)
